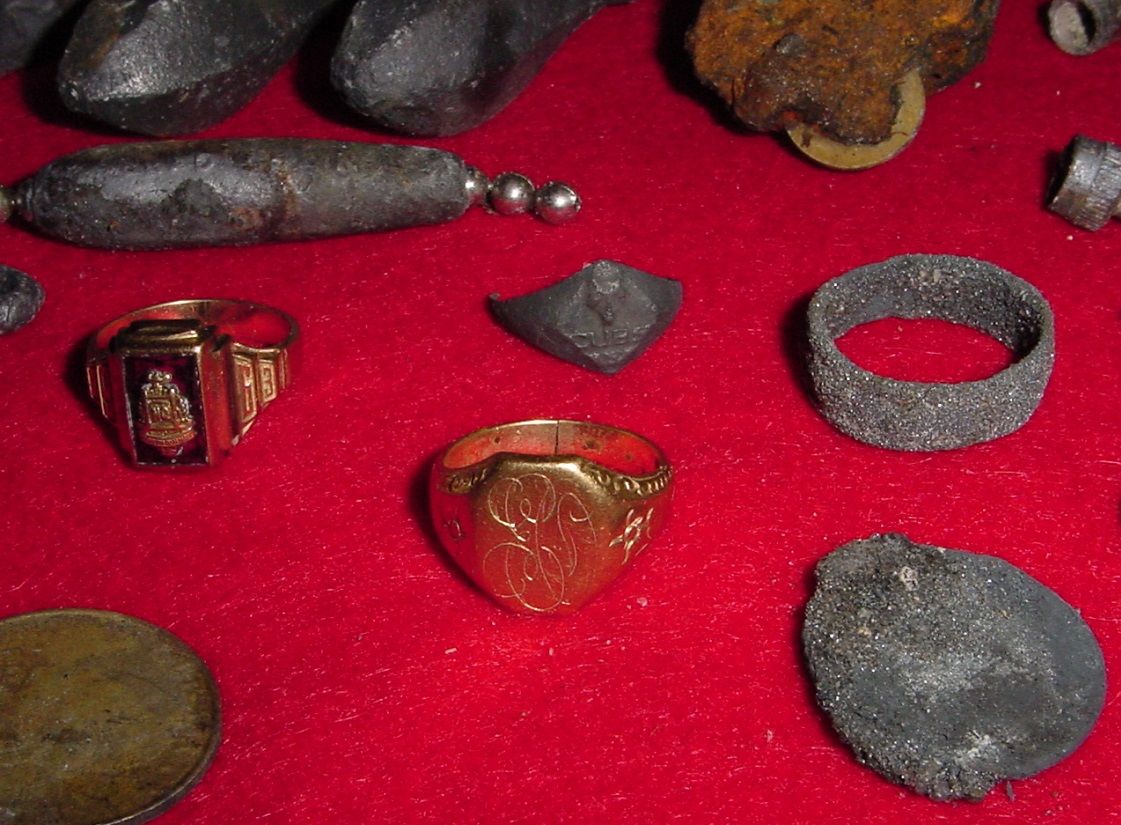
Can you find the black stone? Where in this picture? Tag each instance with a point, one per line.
(601, 318)
(23, 25)
(948, 671)
(171, 194)
(21, 297)
(439, 67)
(170, 67)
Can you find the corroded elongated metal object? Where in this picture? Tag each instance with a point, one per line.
(166, 67)
(439, 67)
(23, 24)
(174, 194)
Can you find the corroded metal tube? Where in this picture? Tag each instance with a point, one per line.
(175, 194)
(1081, 27)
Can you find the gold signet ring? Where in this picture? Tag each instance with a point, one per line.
(543, 515)
(182, 382)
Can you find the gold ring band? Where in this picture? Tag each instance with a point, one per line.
(182, 382)
(542, 515)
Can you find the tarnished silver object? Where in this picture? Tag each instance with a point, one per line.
(477, 186)
(1087, 187)
(601, 318)
(511, 194)
(174, 194)
(21, 298)
(1081, 27)
(556, 203)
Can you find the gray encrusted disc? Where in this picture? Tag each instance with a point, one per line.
(917, 416)
(21, 297)
(601, 318)
(948, 671)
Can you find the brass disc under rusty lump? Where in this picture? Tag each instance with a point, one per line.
(836, 155)
(103, 719)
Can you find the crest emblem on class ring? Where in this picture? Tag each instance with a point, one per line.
(166, 422)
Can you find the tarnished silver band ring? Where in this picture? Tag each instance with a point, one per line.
(917, 416)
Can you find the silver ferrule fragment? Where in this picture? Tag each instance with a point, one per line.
(1087, 187)
(1081, 27)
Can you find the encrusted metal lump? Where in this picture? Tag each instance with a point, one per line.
(601, 318)
(440, 67)
(837, 72)
(1087, 188)
(948, 671)
(919, 416)
(21, 298)
(23, 25)
(165, 67)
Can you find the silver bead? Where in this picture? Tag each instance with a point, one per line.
(477, 185)
(556, 203)
(7, 203)
(510, 194)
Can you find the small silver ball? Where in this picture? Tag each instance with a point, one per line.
(510, 194)
(556, 203)
(476, 185)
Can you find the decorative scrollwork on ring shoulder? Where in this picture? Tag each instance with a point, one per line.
(626, 486)
(462, 482)
(548, 530)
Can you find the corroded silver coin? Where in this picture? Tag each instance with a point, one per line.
(948, 671)
(103, 719)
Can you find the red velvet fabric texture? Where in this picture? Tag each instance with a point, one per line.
(363, 679)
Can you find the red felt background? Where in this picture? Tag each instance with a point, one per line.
(363, 680)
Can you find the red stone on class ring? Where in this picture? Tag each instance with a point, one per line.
(543, 515)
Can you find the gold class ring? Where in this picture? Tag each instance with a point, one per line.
(182, 382)
(543, 515)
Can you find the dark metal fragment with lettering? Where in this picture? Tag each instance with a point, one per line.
(168, 67)
(23, 25)
(948, 671)
(21, 297)
(174, 194)
(601, 318)
(439, 67)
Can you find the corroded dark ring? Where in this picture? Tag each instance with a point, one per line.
(916, 416)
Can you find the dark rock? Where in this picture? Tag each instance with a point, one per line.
(948, 671)
(219, 192)
(601, 318)
(23, 25)
(21, 297)
(165, 67)
(439, 67)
